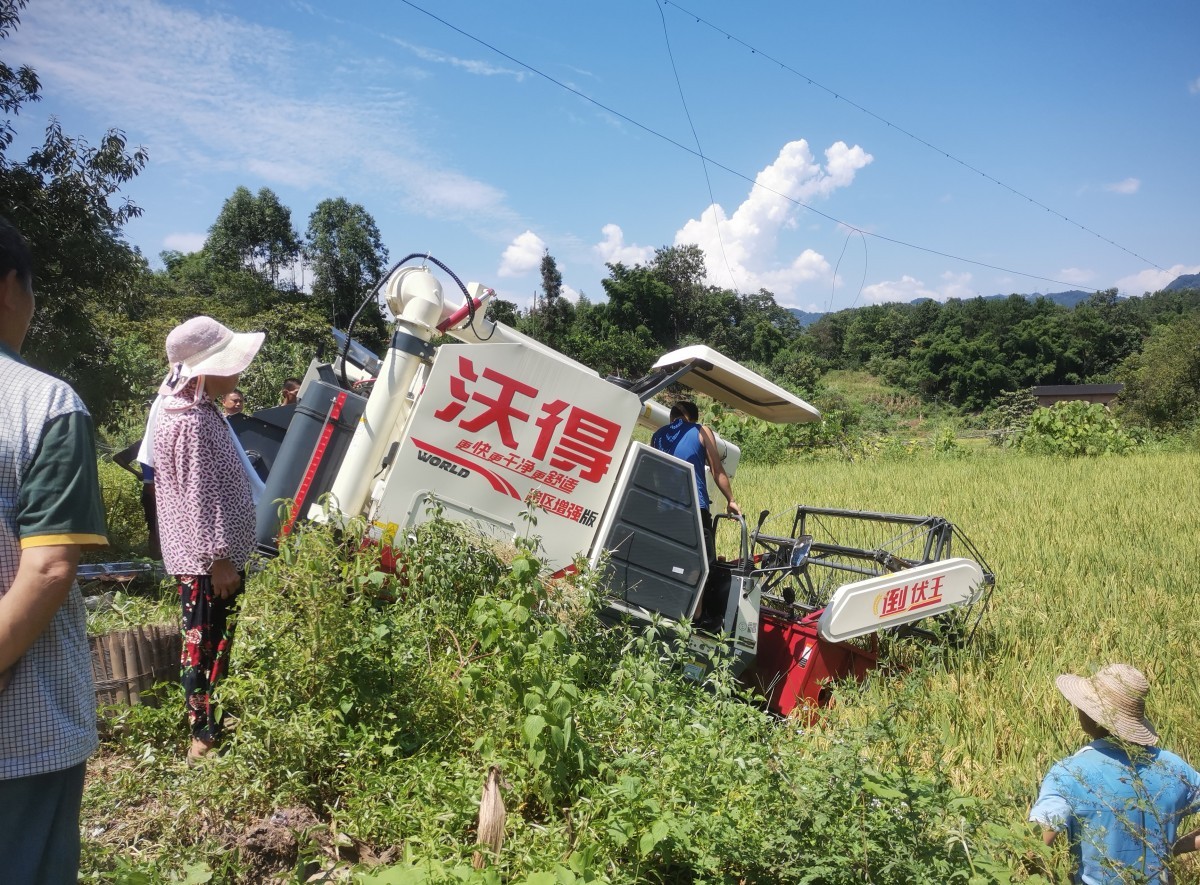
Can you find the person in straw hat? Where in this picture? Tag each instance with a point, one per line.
(1121, 798)
(206, 491)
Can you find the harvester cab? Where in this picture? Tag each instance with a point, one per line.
(495, 427)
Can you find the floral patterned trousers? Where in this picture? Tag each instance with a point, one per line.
(208, 623)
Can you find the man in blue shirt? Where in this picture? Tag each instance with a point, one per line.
(1121, 798)
(690, 441)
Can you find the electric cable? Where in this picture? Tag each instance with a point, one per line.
(811, 82)
(659, 135)
(863, 282)
(838, 264)
(712, 201)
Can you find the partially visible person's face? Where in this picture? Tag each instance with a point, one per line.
(220, 387)
(232, 403)
(289, 395)
(16, 309)
(1089, 726)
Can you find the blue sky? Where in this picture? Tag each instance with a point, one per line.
(1088, 110)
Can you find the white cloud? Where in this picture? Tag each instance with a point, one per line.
(184, 242)
(217, 94)
(740, 249)
(952, 285)
(1128, 186)
(1076, 276)
(1194, 86)
(1153, 280)
(523, 255)
(613, 249)
(470, 65)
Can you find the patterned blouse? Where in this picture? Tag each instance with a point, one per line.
(205, 508)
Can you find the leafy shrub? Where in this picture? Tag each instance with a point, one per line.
(760, 441)
(1009, 416)
(380, 701)
(121, 492)
(945, 443)
(1073, 429)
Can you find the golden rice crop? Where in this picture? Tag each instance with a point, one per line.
(1096, 561)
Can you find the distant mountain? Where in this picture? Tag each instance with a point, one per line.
(1187, 281)
(1066, 299)
(806, 318)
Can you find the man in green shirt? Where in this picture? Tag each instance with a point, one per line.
(50, 509)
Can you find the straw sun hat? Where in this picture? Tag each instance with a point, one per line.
(1115, 699)
(202, 346)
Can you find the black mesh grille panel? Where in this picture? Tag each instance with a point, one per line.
(656, 555)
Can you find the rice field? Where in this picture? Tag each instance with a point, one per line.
(1096, 561)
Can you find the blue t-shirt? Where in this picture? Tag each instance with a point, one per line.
(682, 439)
(1120, 814)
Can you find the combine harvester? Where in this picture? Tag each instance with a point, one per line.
(496, 423)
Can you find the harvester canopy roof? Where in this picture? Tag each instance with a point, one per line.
(733, 384)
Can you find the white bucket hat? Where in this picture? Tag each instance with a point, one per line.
(202, 346)
(1115, 699)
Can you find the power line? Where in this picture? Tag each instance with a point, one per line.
(733, 172)
(708, 181)
(712, 201)
(811, 82)
(862, 283)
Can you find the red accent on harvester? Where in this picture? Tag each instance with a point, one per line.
(335, 412)
(565, 570)
(459, 315)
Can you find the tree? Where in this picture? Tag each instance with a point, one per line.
(1162, 383)
(19, 86)
(556, 310)
(682, 268)
(502, 311)
(280, 244)
(254, 233)
(640, 302)
(63, 197)
(347, 258)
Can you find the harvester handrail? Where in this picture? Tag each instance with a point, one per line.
(907, 519)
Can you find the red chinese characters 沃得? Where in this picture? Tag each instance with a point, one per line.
(579, 440)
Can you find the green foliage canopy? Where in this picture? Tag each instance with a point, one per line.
(1162, 381)
(254, 232)
(347, 257)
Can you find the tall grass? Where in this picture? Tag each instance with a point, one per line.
(382, 704)
(1096, 561)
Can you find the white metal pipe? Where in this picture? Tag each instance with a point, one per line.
(416, 296)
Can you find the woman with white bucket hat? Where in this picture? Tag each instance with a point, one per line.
(205, 491)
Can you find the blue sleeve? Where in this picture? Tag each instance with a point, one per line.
(1053, 808)
(1193, 790)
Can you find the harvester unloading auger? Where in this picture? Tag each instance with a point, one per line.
(499, 422)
